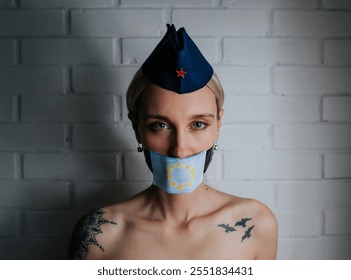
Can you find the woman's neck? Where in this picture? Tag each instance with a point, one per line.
(179, 208)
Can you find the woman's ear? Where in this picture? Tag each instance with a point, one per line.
(219, 121)
(220, 117)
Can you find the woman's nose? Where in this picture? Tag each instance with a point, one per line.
(180, 145)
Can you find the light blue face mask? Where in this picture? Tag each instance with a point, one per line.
(175, 175)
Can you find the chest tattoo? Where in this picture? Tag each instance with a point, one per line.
(239, 228)
(84, 234)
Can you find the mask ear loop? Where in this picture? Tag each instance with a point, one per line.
(209, 155)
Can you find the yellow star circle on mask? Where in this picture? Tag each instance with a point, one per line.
(173, 183)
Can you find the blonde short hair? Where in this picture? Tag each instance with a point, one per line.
(139, 83)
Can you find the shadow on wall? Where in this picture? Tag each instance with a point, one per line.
(67, 141)
(100, 141)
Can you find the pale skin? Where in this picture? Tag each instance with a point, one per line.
(198, 225)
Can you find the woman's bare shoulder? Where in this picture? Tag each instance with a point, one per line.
(246, 206)
(94, 231)
(86, 234)
(265, 226)
(255, 221)
(261, 214)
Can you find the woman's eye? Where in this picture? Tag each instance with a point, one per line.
(199, 125)
(159, 126)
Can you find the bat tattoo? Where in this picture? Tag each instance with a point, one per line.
(84, 234)
(227, 228)
(243, 222)
(247, 234)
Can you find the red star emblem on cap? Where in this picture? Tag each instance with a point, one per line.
(181, 72)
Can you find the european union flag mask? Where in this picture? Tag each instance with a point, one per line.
(178, 176)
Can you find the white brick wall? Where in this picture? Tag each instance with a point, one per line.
(6, 3)
(312, 23)
(313, 194)
(67, 51)
(312, 136)
(245, 136)
(6, 166)
(272, 109)
(6, 109)
(7, 50)
(31, 80)
(337, 109)
(270, 3)
(102, 79)
(67, 3)
(70, 167)
(55, 108)
(336, 4)
(336, 52)
(118, 22)
(66, 144)
(238, 80)
(336, 222)
(337, 165)
(271, 166)
(307, 223)
(38, 137)
(103, 137)
(11, 218)
(312, 80)
(166, 3)
(33, 22)
(270, 51)
(222, 22)
(91, 195)
(36, 195)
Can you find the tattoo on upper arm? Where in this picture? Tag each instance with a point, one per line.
(84, 234)
(242, 224)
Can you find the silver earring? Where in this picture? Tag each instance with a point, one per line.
(215, 146)
(140, 148)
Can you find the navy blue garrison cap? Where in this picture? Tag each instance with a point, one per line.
(177, 64)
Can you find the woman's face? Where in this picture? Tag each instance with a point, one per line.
(178, 125)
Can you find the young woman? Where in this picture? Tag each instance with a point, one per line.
(175, 104)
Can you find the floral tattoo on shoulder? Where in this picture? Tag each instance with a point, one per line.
(85, 234)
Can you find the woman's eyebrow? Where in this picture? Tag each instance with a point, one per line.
(155, 116)
(165, 118)
(205, 115)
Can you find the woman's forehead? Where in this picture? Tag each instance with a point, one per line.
(156, 98)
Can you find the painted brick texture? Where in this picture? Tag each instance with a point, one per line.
(6, 109)
(67, 146)
(312, 23)
(7, 52)
(67, 51)
(33, 22)
(112, 23)
(31, 80)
